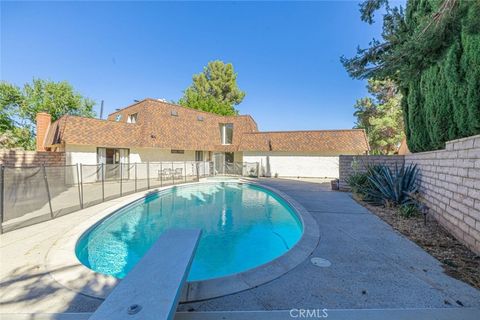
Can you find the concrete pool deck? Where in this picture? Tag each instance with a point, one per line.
(372, 266)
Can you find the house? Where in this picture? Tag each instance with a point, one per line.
(403, 148)
(154, 130)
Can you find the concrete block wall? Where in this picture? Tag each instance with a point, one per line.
(450, 186)
(349, 164)
(20, 158)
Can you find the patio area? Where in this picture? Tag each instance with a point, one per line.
(372, 266)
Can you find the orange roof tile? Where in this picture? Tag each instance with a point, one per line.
(352, 140)
(168, 126)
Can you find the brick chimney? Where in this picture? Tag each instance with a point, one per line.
(43, 122)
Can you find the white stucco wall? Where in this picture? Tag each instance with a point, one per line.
(88, 155)
(156, 155)
(288, 164)
(284, 164)
(80, 154)
(238, 157)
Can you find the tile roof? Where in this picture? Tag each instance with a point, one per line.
(90, 131)
(329, 141)
(164, 125)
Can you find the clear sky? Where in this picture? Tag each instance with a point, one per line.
(286, 54)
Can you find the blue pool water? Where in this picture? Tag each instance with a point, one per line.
(243, 226)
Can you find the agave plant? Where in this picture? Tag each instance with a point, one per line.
(391, 188)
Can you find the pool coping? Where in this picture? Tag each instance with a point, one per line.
(64, 267)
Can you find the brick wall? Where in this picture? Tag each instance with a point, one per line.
(43, 123)
(350, 163)
(449, 184)
(19, 158)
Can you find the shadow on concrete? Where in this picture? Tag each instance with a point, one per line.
(25, 284)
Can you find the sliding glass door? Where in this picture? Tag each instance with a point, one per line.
(115, 161)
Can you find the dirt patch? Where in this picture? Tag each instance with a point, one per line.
(457, 260)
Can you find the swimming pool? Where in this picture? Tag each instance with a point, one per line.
(243, 226)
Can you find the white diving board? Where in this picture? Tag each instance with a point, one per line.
(151, 290)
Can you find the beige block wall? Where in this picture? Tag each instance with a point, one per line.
(449, 184)
(351, 163)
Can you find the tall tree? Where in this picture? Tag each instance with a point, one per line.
(214, 90)
(19, 107)
(381, 116)
(432, 52)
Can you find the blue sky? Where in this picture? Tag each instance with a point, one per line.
(286, 54)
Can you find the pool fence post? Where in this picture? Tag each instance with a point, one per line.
(78, 185)
(173, 174)
(135, 176)
(161, 174)
(148, 174)
(103, 182)
(197, 167)
(121, 179)
(258, 170)
(81, 185)
(185, 170)
(2, 197)
(44, 171)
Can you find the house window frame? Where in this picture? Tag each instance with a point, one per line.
(223, 133)
(199, 155)
(126, 156)
(132, 118)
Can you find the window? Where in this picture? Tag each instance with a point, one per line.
(118, 117)
(113, 161)
(178, 151)
(198, 155)
(229, 157)
(112, 156)
(132, 118)
(226, 133)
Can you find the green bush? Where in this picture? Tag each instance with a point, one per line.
(442, 102)
(408, 210)
(358, 182)
(390, 188)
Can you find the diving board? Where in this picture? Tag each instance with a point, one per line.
(152, 289)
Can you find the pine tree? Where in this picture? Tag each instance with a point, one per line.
(214, 90)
